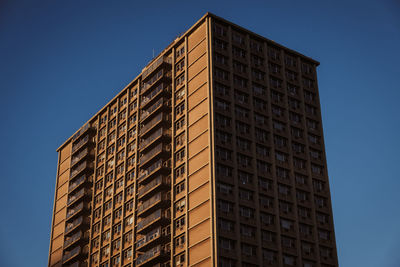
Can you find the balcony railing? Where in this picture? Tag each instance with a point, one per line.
(154, 183)
(158, 118)
(81, 131)
(151, 201)
(158, 214)
(153, 136)
(73, 224)
(149, 170)
(154, 65)
(78, 169)
(145, 113)
(156, 150)
(76, 183)
(72, 239)
(149, 237)
(79, 156)
(73, 211)
(146, 99)
(77, 195)
(78, 145)
(69, 255)
(149, 254)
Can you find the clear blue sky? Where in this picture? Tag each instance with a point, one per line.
(61, 61)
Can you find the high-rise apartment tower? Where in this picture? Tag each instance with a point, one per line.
(212, 156)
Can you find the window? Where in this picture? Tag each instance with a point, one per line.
(180, 260)
(221, 104)
(243, 160)
(239, 81)
(286, 224)
(239, 67)
(238, 52)
(259, 104)
(264, 184)
(222, 121)
(221, 89)
(288, 242)
(273, 53)
(180, 205)
(226, 243)
(246, 212)
(223, 154)
(248, 250)
(180, 66)
(245, 194)
(180, 171)
(281, 157)
(223, 137)
(291, 75)
(221, 59)
(128, 254)
(180, 187)
(106, 236)
(129, 206)
(225, 206)
(225, 188)
(226, 225)
(122, 115)
(180, 51)
(242, 127)
(221, 45)
(266, 202)
(262, 150)
(107, 206)
(129, 221)
(179, 110)
(290, 61)
(180, 94)
(245, 178)
(283, 189)
(180, 139)
(259, 90)
(224, 170)
(289, 260)
(237, 38)
(180, 223)
(221, 74)
(116, 244)
(266, 219)
(292, 89)
(219, 30)
(263, 167)
(256, 46)
(243, 144)
(119, 184)
(180, 80)
(179, 241)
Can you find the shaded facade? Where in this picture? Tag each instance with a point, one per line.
(212, 156)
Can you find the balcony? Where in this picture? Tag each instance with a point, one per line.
(160, 148)
(154, 136)
(147, 239)
(78, 182)
(151, 255)
(162, 117)
(76, 196)
(154, 65)
(154, 93)
(154, 184)
(72, 225)
(76, 158)
(159, 103)
(77, 146)
(81, 131)
(152, 220)
(77, 170)
(71, 254)
(74, 238)
(74, 211)
(146, 206)
(152, 169)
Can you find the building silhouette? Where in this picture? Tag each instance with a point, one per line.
(212, 156)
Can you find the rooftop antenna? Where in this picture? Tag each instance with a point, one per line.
(153, 52)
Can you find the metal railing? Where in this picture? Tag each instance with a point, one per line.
(153, 93)
(72, 239)
(79, 156)
(154, 65)
(80, 143)
(156, 182)
(151, 201)
(73, 224)
(158, 149)
(72, 198)
(149, 237)
(81, 131)
(145, 113)
(153, 136)
(159, 117)
(67, 256)
(72, 212)
(78, 169)
(77, 182)
(152, 217)
(149, 254)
